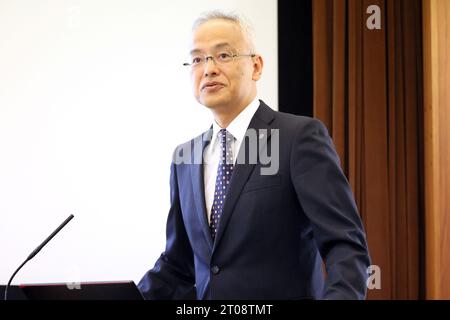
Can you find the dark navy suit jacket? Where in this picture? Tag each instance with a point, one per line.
(275, 231)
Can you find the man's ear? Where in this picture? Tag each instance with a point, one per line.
(258, 64)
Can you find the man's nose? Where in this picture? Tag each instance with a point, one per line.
(210, 67)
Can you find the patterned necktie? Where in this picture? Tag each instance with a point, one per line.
(224, 171)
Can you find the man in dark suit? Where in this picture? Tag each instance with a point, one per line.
(243, 227)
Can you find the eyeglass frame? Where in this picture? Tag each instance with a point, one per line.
(215, 60)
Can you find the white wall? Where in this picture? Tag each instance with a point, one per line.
(93, 100)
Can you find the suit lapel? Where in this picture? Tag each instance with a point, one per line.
(261, 120)
(198, 183)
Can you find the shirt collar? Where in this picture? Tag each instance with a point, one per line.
(239, 125)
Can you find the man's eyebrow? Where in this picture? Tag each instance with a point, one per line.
(217, 46)
(195, 51)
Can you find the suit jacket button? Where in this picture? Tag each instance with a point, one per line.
(215, 269)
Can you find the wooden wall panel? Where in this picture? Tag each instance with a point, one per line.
(436, 32)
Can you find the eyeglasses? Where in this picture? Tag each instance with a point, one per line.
(220, 58)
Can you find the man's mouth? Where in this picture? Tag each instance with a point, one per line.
(212, 86)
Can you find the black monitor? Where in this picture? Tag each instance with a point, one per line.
(125, 290)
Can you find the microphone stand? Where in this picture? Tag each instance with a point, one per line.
(35, 251)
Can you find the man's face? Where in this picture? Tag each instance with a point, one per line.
(229, 85)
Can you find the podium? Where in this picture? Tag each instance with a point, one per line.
(124, 290)
(15, 293)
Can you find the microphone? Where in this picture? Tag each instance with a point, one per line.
(35, 251)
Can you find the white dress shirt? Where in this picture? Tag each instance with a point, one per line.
(237, 128)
